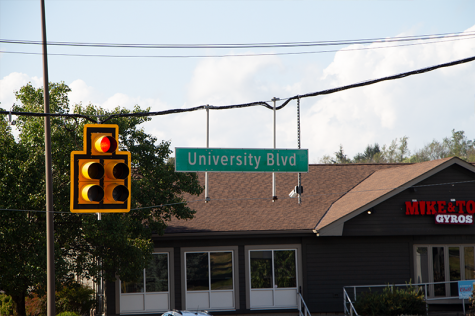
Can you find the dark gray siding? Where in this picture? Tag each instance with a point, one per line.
(389, 219)
(334, 262)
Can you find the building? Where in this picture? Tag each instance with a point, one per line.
(358, 224)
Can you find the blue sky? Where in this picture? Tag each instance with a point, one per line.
(423, 107)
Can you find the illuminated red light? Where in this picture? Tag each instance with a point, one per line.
(106, 144)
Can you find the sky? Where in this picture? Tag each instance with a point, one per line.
(422, 107)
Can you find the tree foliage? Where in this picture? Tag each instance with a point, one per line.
(121, 240)
(457, 145)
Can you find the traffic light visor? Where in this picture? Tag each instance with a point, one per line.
(92, 193)
(92, 170)
(117, 170)
(105, 144)
(120, 193)
(117, 192)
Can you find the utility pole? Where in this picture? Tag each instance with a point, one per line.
(299, 178)
(50, 286)
(207, 198)
(274, 195)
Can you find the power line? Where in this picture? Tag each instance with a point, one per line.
(236, 55)
(263, 198)
(247, 45)
(257, 103)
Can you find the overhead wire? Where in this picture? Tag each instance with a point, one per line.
(246, 45)
(250, 104)
(471, 36)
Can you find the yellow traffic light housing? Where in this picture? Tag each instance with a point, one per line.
(100, 174)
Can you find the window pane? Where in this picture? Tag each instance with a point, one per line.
(284, 268)
(132, 287)
(156, 273)
(261, 269)
(197, 275)
(422, 265)
(439, 270)
(454, 268)
(221, 270)
(469, 264)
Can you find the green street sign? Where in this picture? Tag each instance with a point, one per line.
(240, 160)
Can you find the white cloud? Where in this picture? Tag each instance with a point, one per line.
(12, 83)
(422, 107)
(82, 93)
(125, 101)
(231, 80)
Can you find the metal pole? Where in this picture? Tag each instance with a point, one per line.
(207, 146)
(100, 281)
(274, 195)
(50, 286)
(298, 143)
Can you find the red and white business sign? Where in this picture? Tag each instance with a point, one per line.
(455, 212)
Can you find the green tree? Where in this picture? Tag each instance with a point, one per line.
(372, 154)
(457, 145)
(121, 240)
(396, 152)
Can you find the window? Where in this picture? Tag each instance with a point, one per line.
(209, 280)
(273, 278)
(443, 263)
(151, 291)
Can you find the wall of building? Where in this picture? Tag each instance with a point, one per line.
(334, 262)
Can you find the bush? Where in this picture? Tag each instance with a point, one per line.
(76, 298)
(68, 314)
(35, 305)
(471, 310)
(6, 305)
(72, 298)
(392, 301)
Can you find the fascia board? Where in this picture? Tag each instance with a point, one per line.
(234, 233)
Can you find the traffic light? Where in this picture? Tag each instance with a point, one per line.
(100, 174)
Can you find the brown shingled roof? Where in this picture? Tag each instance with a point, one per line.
(377, 186)
(243, 201)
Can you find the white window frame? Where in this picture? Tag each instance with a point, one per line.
(235, 275)
(170, 293)
(446, 265)
(298, 267)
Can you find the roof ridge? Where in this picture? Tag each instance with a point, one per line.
(328, 209)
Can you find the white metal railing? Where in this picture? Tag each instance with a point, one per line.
(303, 309)
(346, 300)
(424, 287)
